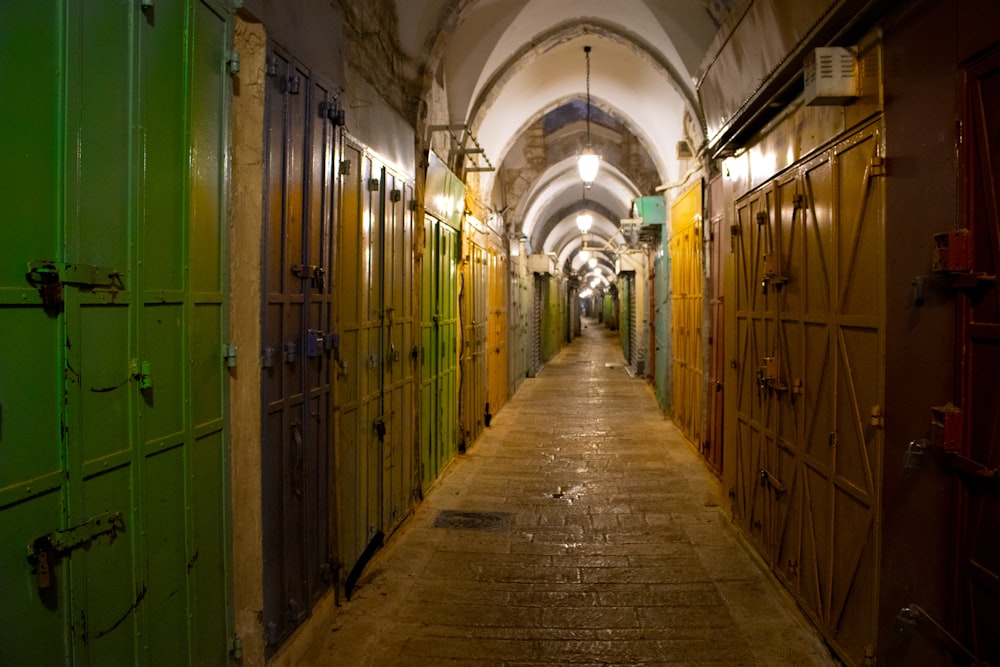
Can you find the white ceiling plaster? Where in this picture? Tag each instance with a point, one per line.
(645, 53)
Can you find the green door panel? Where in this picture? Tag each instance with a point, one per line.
(438, 325)
(113, 467)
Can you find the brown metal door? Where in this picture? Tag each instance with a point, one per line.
(473, 311)
(497, 329)
(978, 544)
(809, 317)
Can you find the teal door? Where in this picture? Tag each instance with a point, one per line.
(113, 284)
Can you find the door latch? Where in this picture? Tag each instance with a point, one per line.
(43, 551)
(50, 277)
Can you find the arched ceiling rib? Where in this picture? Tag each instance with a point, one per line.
(502, 65)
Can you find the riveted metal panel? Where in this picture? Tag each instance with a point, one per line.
(131, 353)
(809, 249)
(686, 297)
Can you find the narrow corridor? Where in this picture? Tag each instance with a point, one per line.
(580, 529)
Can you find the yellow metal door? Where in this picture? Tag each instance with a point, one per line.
(399, 353)
(497, 329)
(809, 316)
(686, 323)
(357, 454)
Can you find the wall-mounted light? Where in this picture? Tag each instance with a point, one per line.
(589, 162)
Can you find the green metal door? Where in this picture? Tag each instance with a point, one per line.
(113, 283)
(438, 346)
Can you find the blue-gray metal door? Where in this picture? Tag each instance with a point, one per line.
(297, 345)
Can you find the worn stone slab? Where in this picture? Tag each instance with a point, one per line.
(616, 552)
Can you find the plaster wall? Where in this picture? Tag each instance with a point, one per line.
(245, 234)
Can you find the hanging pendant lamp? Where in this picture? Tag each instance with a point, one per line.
(588, 162)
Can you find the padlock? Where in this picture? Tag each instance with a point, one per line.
(43, 573)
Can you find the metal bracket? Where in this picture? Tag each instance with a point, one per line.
(971, 467)
(948, 418)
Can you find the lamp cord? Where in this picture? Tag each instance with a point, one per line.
(586, 50)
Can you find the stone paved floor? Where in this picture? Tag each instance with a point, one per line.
(605, 545)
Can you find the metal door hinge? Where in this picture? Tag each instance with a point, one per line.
(233, 64)
(373, 184)
(878, 166)
(236, 647)
(877, 419)
(229, 354)
(332, 112)
(292, 84)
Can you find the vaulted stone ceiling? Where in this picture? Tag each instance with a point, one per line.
(514, 73)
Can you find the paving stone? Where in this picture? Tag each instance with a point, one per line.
(617, 551)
